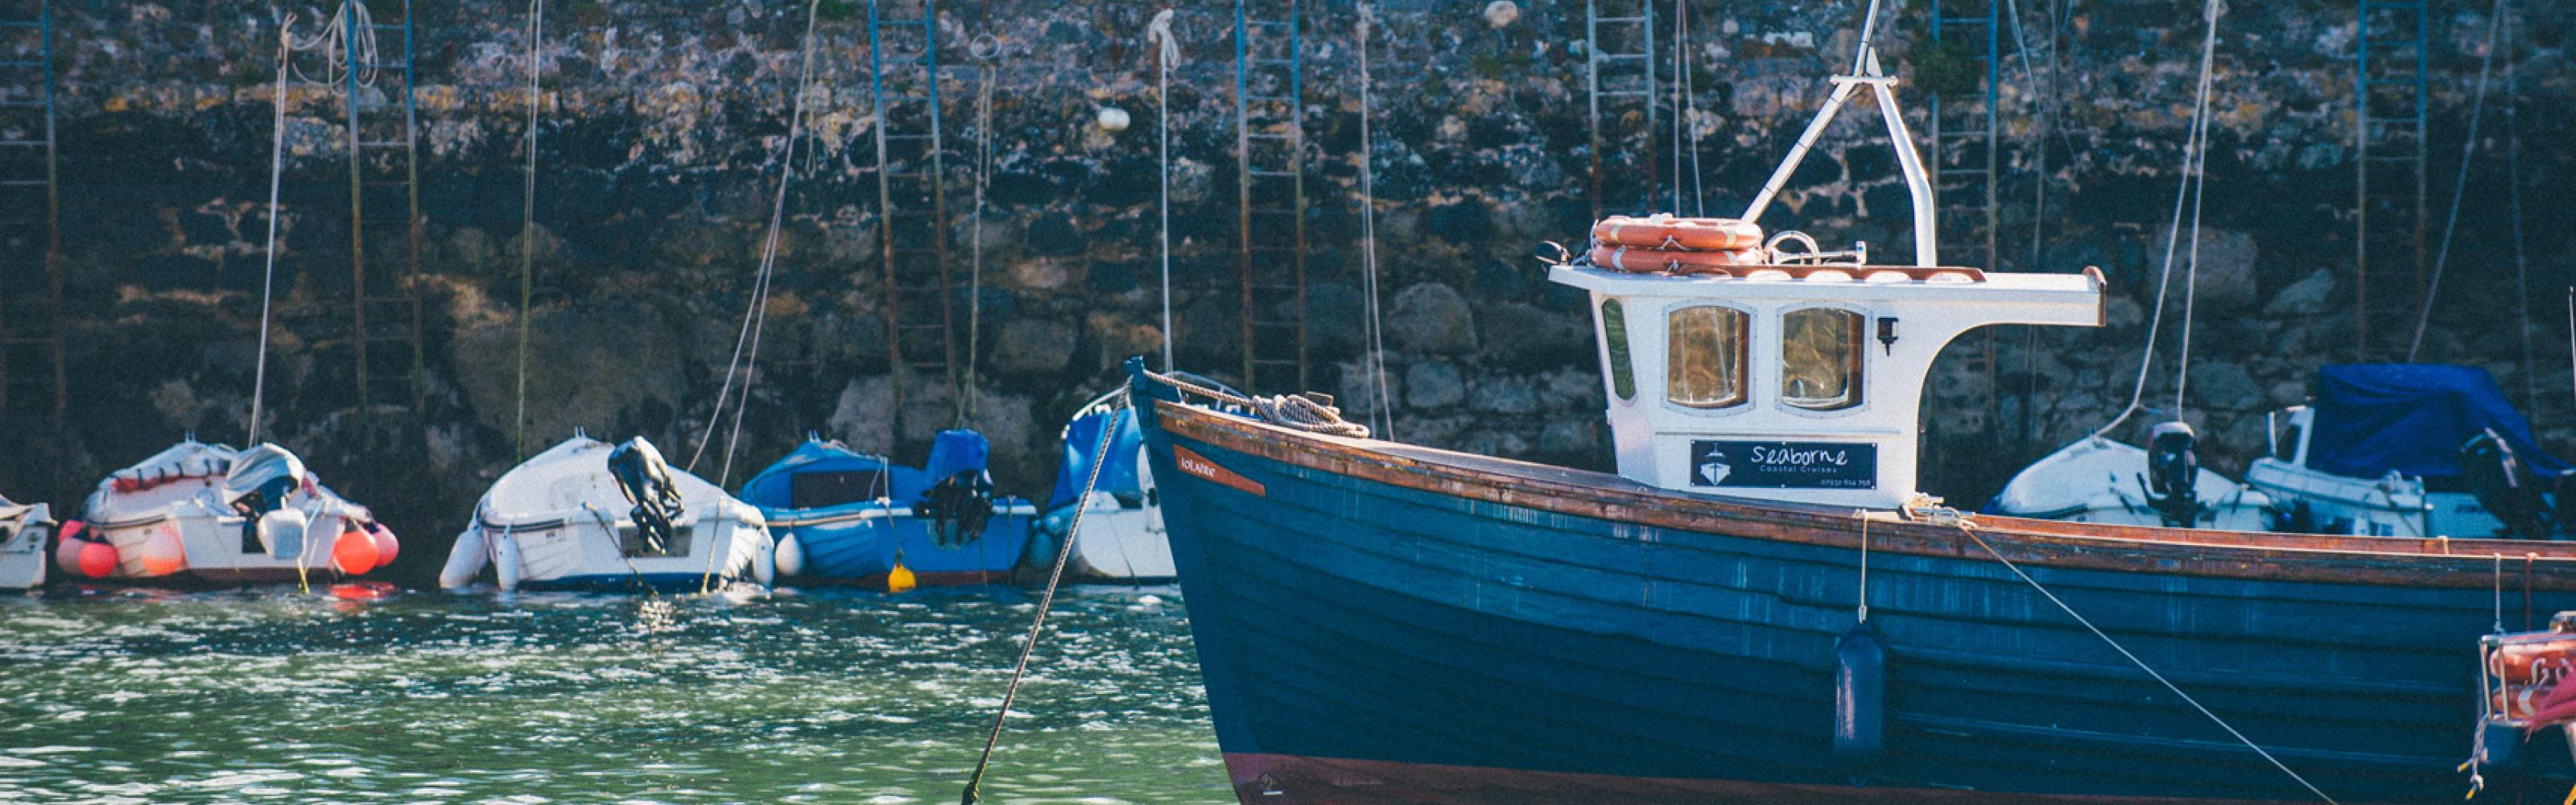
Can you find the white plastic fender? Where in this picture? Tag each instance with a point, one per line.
(465, 561)
(283, 532)
(764, 559)
(505, 561)
(790, 556)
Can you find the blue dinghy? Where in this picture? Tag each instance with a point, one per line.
(846, 517)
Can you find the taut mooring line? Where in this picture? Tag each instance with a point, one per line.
(1055, 577)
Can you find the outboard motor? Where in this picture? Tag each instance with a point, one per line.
(645, 479)
(961, 501)
(2173, 474)
(261, 479)
(2506, 486)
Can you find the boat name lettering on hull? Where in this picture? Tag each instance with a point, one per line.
(1195, 464)
(1784, 465)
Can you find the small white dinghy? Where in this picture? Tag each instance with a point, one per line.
(561, 520)
(207, 512)
(23, 531)
(2096, 480)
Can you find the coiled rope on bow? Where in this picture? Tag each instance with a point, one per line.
(1926, 509)
(755, 316)
(1293, 411)
(1055, 578)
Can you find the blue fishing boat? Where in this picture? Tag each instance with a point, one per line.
(847, 517)
(1758, 606)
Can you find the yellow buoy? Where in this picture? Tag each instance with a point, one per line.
(899, 580)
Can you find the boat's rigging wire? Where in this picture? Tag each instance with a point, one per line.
(2183, 192)
(1383, 413)
(1167, 49)
(1969, 527)
(2459, 186)
(755, 312)
(528, 217)
(1046, 601)
(1686, 116)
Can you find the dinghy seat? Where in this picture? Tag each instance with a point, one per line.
(2173, 474)
(645, 480)
(2509, 487)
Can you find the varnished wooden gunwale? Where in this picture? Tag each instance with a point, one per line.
(2390, 561)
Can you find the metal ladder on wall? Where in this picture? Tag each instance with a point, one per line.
(1619, 85)
(382, 339)
(1270, 165)
(1966, 157)
(2389, 220)
(32, 377)
(912, 203)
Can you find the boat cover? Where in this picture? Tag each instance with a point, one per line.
(957, 450)
(1083, 436)
(2412, 418)
(814, 475)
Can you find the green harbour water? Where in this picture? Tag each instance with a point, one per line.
(271, 695)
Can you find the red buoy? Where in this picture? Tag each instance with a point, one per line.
(354, 552)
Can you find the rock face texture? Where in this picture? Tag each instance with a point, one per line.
(662, 128)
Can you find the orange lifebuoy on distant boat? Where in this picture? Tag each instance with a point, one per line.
(1668, 232)
(1673, 261)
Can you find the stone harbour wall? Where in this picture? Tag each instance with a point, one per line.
(662, 126)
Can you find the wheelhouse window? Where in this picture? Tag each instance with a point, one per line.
(1820, 357)
(1704, 349)
(1614, 337)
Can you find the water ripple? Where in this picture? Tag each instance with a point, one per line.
(831, 696)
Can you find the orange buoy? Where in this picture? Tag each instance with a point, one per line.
(1668, 232)
(386, 545)
(97, 559)
(354, 552)
(1671, 261)
(162, 553)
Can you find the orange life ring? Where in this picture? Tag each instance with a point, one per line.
(1674, 261)
(1668, 232)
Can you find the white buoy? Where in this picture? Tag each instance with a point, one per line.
(1113, 119)
(505, 563)
(790, 556)
(764, 560)
(465, 561)
(1501, 13)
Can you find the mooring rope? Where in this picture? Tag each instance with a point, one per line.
(1969, 527)
(1385, 413)
(1167, 49)
(2521, 261)
(1046, 601)
(755, 316)
(528, 214)
(276, 172)
(2193, 149)
(2459, 187)
(984, 48)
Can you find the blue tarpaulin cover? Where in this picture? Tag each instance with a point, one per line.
(1082, 437)
(957, 450)
(773, 488)
(2372, 418)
